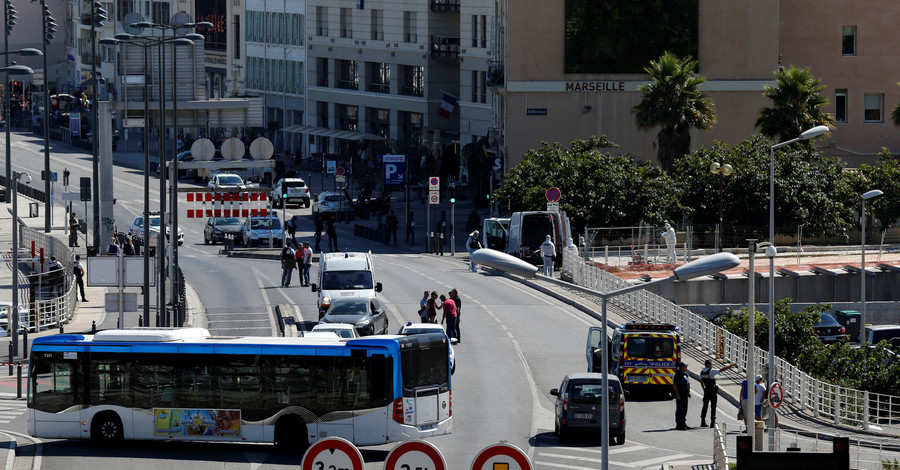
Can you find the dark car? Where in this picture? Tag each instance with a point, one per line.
(578, 406)
(218, 227)
(367, 315)
(829, 330)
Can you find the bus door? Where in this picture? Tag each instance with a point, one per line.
(593, 352)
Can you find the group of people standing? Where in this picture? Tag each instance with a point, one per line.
(449, 306)
(682, 388)
(299, 259)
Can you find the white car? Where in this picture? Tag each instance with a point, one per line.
(5, 308)
(344, 330)
(419, 328)
(290, 191)
(258, 230)
(319, 335)
(226, 181)
(137, 229)
(331, 202)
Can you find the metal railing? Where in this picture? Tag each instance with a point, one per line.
(58, 306)
(720, 454)
(840, 405)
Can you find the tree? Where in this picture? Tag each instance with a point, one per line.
(895, 113)
(885, 175)
(797, 105)
(674, 102)
(793, 331)
(598, 189)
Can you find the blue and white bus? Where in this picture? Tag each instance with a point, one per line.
(183, 384)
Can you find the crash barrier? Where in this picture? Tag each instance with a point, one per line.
(837, 459)
(434, 243)
(840, 405)
(371, 233)
(25, 190)
(227, 204)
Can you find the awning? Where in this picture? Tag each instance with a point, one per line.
(333, 133)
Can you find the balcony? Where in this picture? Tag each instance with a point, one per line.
(412, 90)
(86, 59)
(349, 84)
(495, 76)
(445, 47)
(323, 82)
(445, 5)
(380, 87)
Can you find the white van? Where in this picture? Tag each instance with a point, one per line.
(527, 230)
(348, 274)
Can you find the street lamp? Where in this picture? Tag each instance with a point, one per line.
(805, 135)
(862, 272)
(14, 313)
(724, 170)
(13, 70)
(700, 267)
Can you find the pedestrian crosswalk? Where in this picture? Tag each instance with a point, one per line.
(11, 409)
(551, 454)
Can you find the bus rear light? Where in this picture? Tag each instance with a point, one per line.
(398, 410)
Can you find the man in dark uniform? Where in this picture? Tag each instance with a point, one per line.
(710, 391)
(74, 225)
(682, 387)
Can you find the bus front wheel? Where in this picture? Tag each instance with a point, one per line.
(290, 434)
(106, 427)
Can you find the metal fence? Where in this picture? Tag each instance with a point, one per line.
(50, 304)
(841, 405)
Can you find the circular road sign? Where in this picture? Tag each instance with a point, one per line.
(501, 455)
(553, 194)
(415, 454)
(261, 149)
(339, 171)
(232, 149)
(776, 395)
(203, 150)
(332, 452)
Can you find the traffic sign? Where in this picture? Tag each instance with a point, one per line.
(776, 395)
(415, 454)
(552, 206)
(339, 171)
(434, 183)
(434, 197)
(330, 166)
(553, 194)
(340, 178)
(332, 452)
(505, 456)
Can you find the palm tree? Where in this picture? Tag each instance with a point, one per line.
(797, 105)
(673, 100)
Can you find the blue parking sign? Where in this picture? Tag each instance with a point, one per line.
(394, 170)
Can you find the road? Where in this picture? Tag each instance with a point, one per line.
(517, 345)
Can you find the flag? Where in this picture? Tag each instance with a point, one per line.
(448, 102)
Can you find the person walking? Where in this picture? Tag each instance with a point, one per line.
(454, 295)
(669, 236)
(710, 391)
(682, 387)
(473, 244)
(74, 225)
(332, 234)
(392, 223)
(307, 263)
(448, 307)
(423, 307)
(288, 263)
(298, 257)
(79, 276)
(547, 250)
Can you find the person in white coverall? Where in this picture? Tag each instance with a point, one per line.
(548, 250)
(473, 244)
(669, 236)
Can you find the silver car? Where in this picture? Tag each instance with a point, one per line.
(218, 227)
(368, 316)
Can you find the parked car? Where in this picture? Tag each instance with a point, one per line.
(258, 229)
(878, 333)
(420, 328)
(367, 315)
(331, 202)
(218, 227)
(578, 409)
(290, 191)
(344, 330)
(137, 229)
(829, 330)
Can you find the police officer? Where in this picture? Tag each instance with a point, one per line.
(710, 391)
(682, 387)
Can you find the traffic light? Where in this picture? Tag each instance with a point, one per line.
(452, 194)
(100, 14)
(49, 24)
(11, 17)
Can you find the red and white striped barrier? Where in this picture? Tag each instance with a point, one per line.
(231, 204)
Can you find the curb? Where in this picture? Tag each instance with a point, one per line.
(9, 450)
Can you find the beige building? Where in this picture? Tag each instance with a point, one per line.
(738, 46)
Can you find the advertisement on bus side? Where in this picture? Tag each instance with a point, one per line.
(196, 422)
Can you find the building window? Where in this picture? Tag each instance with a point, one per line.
(474, 86)
(237, 36)
(409, 27)
(840, 105)
(377, 25)
(161, 13)
(848, 40)
(321, 21)
(346, 23)
(380, 122)
(349, 75)
(483, 30)
(349, 117)
(474, 30)
(873, 106)
(413, 77)
(381, 77)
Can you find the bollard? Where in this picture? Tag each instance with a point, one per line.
(61, 331)
(140, 321)
(93, 326)
(442, 244)
(10, 359)
(25, 343)
(19, 381)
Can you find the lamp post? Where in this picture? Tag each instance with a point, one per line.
(14, 312)
(805, 135)
(699, 267)
(862, 271)
(98, 16)
(724, 170)
(48, 25)
(13, 70)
